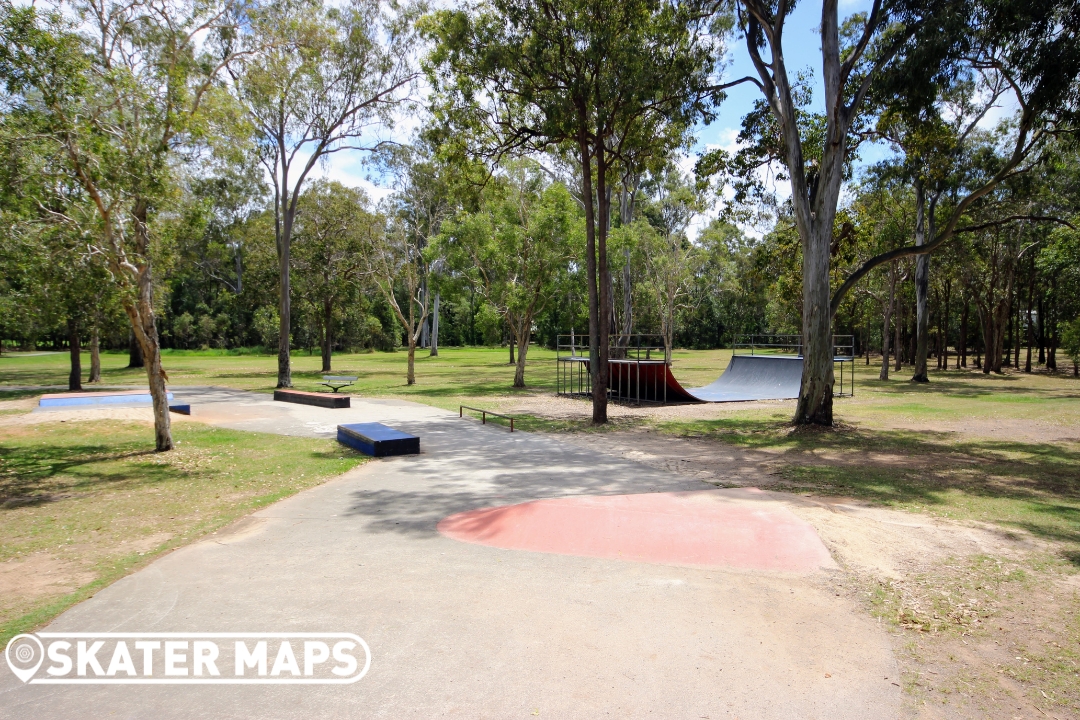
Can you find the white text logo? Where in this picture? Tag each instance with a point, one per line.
(188, 658)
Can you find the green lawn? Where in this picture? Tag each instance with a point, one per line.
(83, 504)
(455, 375)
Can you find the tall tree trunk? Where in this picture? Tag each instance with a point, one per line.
(628, 300)
(135, 356)
(75, 348)
(898, 325)
(521, 338)
(435, 327)
(1041, 328)
(1007, 359)
(815, 404)
(1030, 319)
(1052, 331)
(604, 299)
(961, 350)
(866, 331)
(599, 393)
(626, 217)
(884, 374)
(410, 373)
(922, 287)
(284, 248)
(944, 365)
(988, 336)
(95, 356)
(1017, 340)
(424, 326)
(327, 338)
(140, 311)
(667, 325)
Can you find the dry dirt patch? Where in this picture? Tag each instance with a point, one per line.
(40, 575)
(985, 621)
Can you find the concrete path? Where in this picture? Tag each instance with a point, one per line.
(470, 631)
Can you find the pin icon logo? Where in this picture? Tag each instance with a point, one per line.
(24, 654)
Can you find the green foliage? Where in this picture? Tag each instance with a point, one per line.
(1070, 341)
(267, 325)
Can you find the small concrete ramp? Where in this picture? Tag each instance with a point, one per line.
(754, 377)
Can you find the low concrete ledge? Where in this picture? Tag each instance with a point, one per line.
(98, 398)
(326, 400)
(180, 409)
(377, 440)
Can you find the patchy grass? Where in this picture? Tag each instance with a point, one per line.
(456, 375)
(987, 637)
(1028, 486)
(83, 504)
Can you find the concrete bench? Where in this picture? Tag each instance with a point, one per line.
(326, 400)
(377, 440)
(98, 398)
(336, 382)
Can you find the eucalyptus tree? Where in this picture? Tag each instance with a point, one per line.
(333, 230)
(398, 267)
(317, 80)
(513, 248)
(907, 46)
(581, 76)
(120, 87)
(931, 139)
(671, 261)
(426, 185)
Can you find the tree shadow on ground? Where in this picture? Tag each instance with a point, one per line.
(1028, 485)
(35, 474)
(465, 465)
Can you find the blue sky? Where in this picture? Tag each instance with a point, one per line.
(802, 52)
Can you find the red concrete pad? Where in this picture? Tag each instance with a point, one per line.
(684, 528)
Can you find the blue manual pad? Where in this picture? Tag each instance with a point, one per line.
(377, 440)
(98, 398)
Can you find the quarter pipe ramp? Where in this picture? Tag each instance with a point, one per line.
(747, 377)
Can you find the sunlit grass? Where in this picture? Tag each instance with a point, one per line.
(92, 500)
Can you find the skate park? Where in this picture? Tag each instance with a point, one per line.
(761, 367)
(522, 556)
(442, 596)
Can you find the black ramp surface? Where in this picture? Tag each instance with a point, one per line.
(755, 377)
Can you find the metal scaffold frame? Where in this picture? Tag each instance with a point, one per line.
(634, 350)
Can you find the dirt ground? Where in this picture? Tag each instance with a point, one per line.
(983, 627)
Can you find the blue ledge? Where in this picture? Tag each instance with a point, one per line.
(377, 440)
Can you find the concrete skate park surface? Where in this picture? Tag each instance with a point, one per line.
(460, 629)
